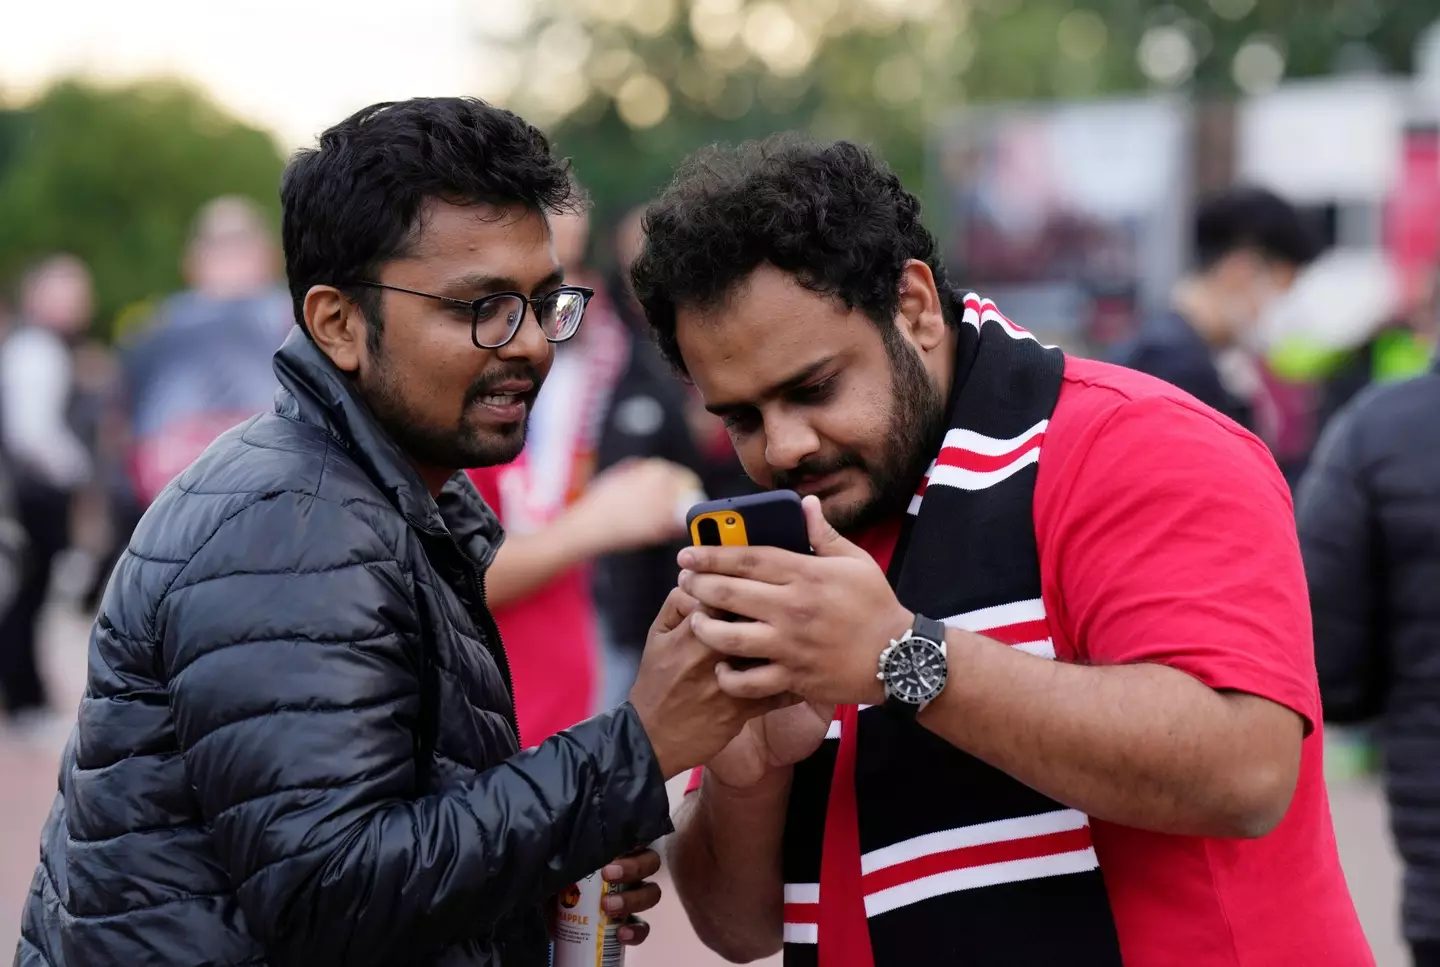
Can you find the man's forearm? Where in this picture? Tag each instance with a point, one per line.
(527, 562)
(1139, 745)
(725, 860)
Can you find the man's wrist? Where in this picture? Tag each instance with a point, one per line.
(960, 652)
(774, 781)
(895, 626)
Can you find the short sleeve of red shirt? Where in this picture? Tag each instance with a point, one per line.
(1171, 539)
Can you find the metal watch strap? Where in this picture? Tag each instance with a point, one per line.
(920, 627)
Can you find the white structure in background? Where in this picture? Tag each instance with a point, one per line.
(1345, 295)
(1325, 141)
(1332, 142)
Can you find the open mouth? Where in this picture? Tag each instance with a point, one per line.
(504, 407)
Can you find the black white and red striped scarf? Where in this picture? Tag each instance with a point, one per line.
(900, 849)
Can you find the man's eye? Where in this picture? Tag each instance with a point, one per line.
(815, 392)
(742, 422)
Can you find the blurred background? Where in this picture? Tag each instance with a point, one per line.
(1060, 149)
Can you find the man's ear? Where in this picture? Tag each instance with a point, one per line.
(337, 325)
(921, 318)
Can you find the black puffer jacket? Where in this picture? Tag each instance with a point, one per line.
(1369, 517)
(296, 744)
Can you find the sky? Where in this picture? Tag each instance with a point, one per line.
(292, 66)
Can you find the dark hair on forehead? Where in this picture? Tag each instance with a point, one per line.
(831, 214)
(356, 201)
(1245, 217)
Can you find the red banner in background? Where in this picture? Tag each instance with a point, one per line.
(1412, 215)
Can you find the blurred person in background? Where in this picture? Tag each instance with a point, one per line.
(1399, 349)
(298, 744)
(12, 534)
(1249, 244)
(721, 474)
(49, 462)
(646, 418)
(560, 515)
(1368, 511)
(203, 364)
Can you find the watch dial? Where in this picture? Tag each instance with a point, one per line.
(916, 671)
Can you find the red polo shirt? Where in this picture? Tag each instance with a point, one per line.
(1166, 534)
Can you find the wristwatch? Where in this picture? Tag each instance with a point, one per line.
(914, 668)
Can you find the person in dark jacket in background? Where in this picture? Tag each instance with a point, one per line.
(1249, 245)
(297, 744)
(1369, 518)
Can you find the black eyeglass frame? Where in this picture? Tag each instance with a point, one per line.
(476, 305)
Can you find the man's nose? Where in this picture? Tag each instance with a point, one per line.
(788, 441)
(528, 344)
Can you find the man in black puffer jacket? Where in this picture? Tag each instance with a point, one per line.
(297, 742)
(1369, 517)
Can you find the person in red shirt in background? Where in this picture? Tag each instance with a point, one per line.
(559, 516)
(1078, 720)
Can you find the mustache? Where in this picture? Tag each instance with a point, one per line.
(811, 469)
(487, 382)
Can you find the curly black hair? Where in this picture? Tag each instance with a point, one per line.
(356, 201)
(832, 214)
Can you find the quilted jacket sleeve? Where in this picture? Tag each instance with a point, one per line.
(294, 690)
(1334, 514)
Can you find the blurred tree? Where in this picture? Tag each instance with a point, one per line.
(630, 86)
(115, 176)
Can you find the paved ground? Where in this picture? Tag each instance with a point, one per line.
(29, 782)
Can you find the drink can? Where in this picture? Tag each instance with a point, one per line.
(584, 935)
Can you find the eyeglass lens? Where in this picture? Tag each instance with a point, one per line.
(497, 318)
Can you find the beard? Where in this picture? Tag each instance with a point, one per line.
(469, 442)
(915, 430)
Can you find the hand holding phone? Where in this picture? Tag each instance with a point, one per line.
(772, 519)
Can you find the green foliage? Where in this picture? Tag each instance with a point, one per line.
(883, 71)
(116, 175)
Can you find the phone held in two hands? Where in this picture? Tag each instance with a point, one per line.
(771, 519)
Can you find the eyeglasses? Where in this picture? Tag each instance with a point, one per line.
(494, 319)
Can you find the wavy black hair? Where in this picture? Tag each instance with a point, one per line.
(831, 214)
(356, 201)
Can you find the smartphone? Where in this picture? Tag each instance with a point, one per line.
(771, 519)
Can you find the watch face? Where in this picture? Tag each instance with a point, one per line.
(915, 670)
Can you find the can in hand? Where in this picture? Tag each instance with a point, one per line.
(585, 936)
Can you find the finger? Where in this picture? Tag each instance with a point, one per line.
(740, 596)
(825, 540)
(633, 933)
(678, 606)
(764, 681)
(632, 867)
(768, 564)
(635, 900)
(738, 639)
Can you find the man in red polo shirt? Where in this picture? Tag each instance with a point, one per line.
(1079, 722)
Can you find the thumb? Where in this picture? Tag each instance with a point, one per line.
(825, 539)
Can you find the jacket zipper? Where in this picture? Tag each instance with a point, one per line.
(476, 580)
